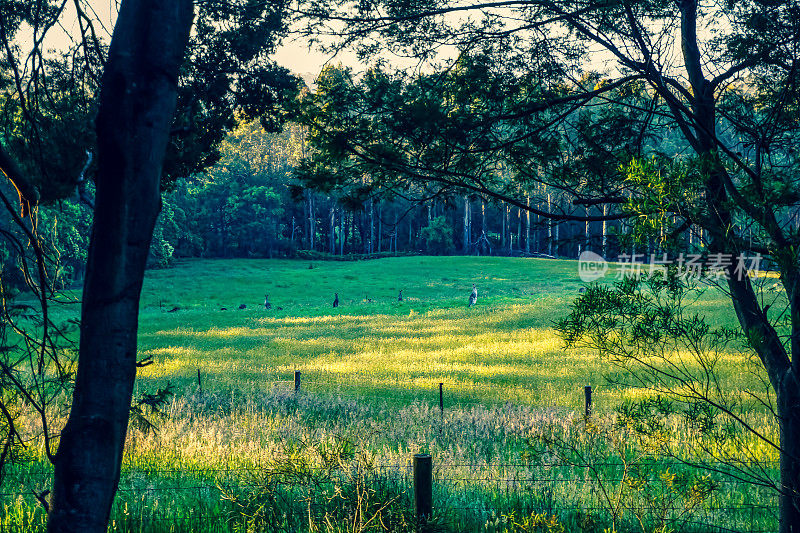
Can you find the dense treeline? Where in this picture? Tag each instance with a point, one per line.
(249, 204)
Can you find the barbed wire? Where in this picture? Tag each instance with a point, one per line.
(294, 478)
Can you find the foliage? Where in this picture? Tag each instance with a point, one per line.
(638, 490)
(150, 405)
(438, 237)
(228, 76)
(66, 226)
(662, 187)
(644, 327)
(535, 522)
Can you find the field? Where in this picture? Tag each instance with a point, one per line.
(236, 448)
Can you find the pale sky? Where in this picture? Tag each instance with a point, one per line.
(293, 54)
(296, 56)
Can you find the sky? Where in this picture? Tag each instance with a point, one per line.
(297, 57)
(294, 53)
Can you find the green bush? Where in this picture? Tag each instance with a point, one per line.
(437, 237)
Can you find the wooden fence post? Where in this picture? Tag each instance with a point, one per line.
(441, 399)
(423, 486)
(199, 383)
(296, 380)
(587, 392)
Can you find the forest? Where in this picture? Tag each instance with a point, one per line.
(251, 204)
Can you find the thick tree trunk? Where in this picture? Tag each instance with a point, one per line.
(788, 399)
(137, 102)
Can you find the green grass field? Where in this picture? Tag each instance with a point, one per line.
(369, 400)
(501, 350)
(504, 349)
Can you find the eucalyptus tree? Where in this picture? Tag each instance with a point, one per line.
(720, 78)
(155, 85)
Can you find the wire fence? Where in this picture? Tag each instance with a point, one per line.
(196, 507)
(454, 392)
(466, 496)
(464, 501)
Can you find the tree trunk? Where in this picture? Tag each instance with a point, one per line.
(410, 233)
(307, 222)
(504, 224)
(549, 227)
(788, 400)
(782, 366)
(586, 231)
(342, 230)
(528, 226)
(371, 226)
(484, 237)
(332, 231)
(137, 102)
(311, 226)
(466, 225)
(605, 232)
(538, 233)
(556, 239)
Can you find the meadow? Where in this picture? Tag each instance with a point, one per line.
(237, 449)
